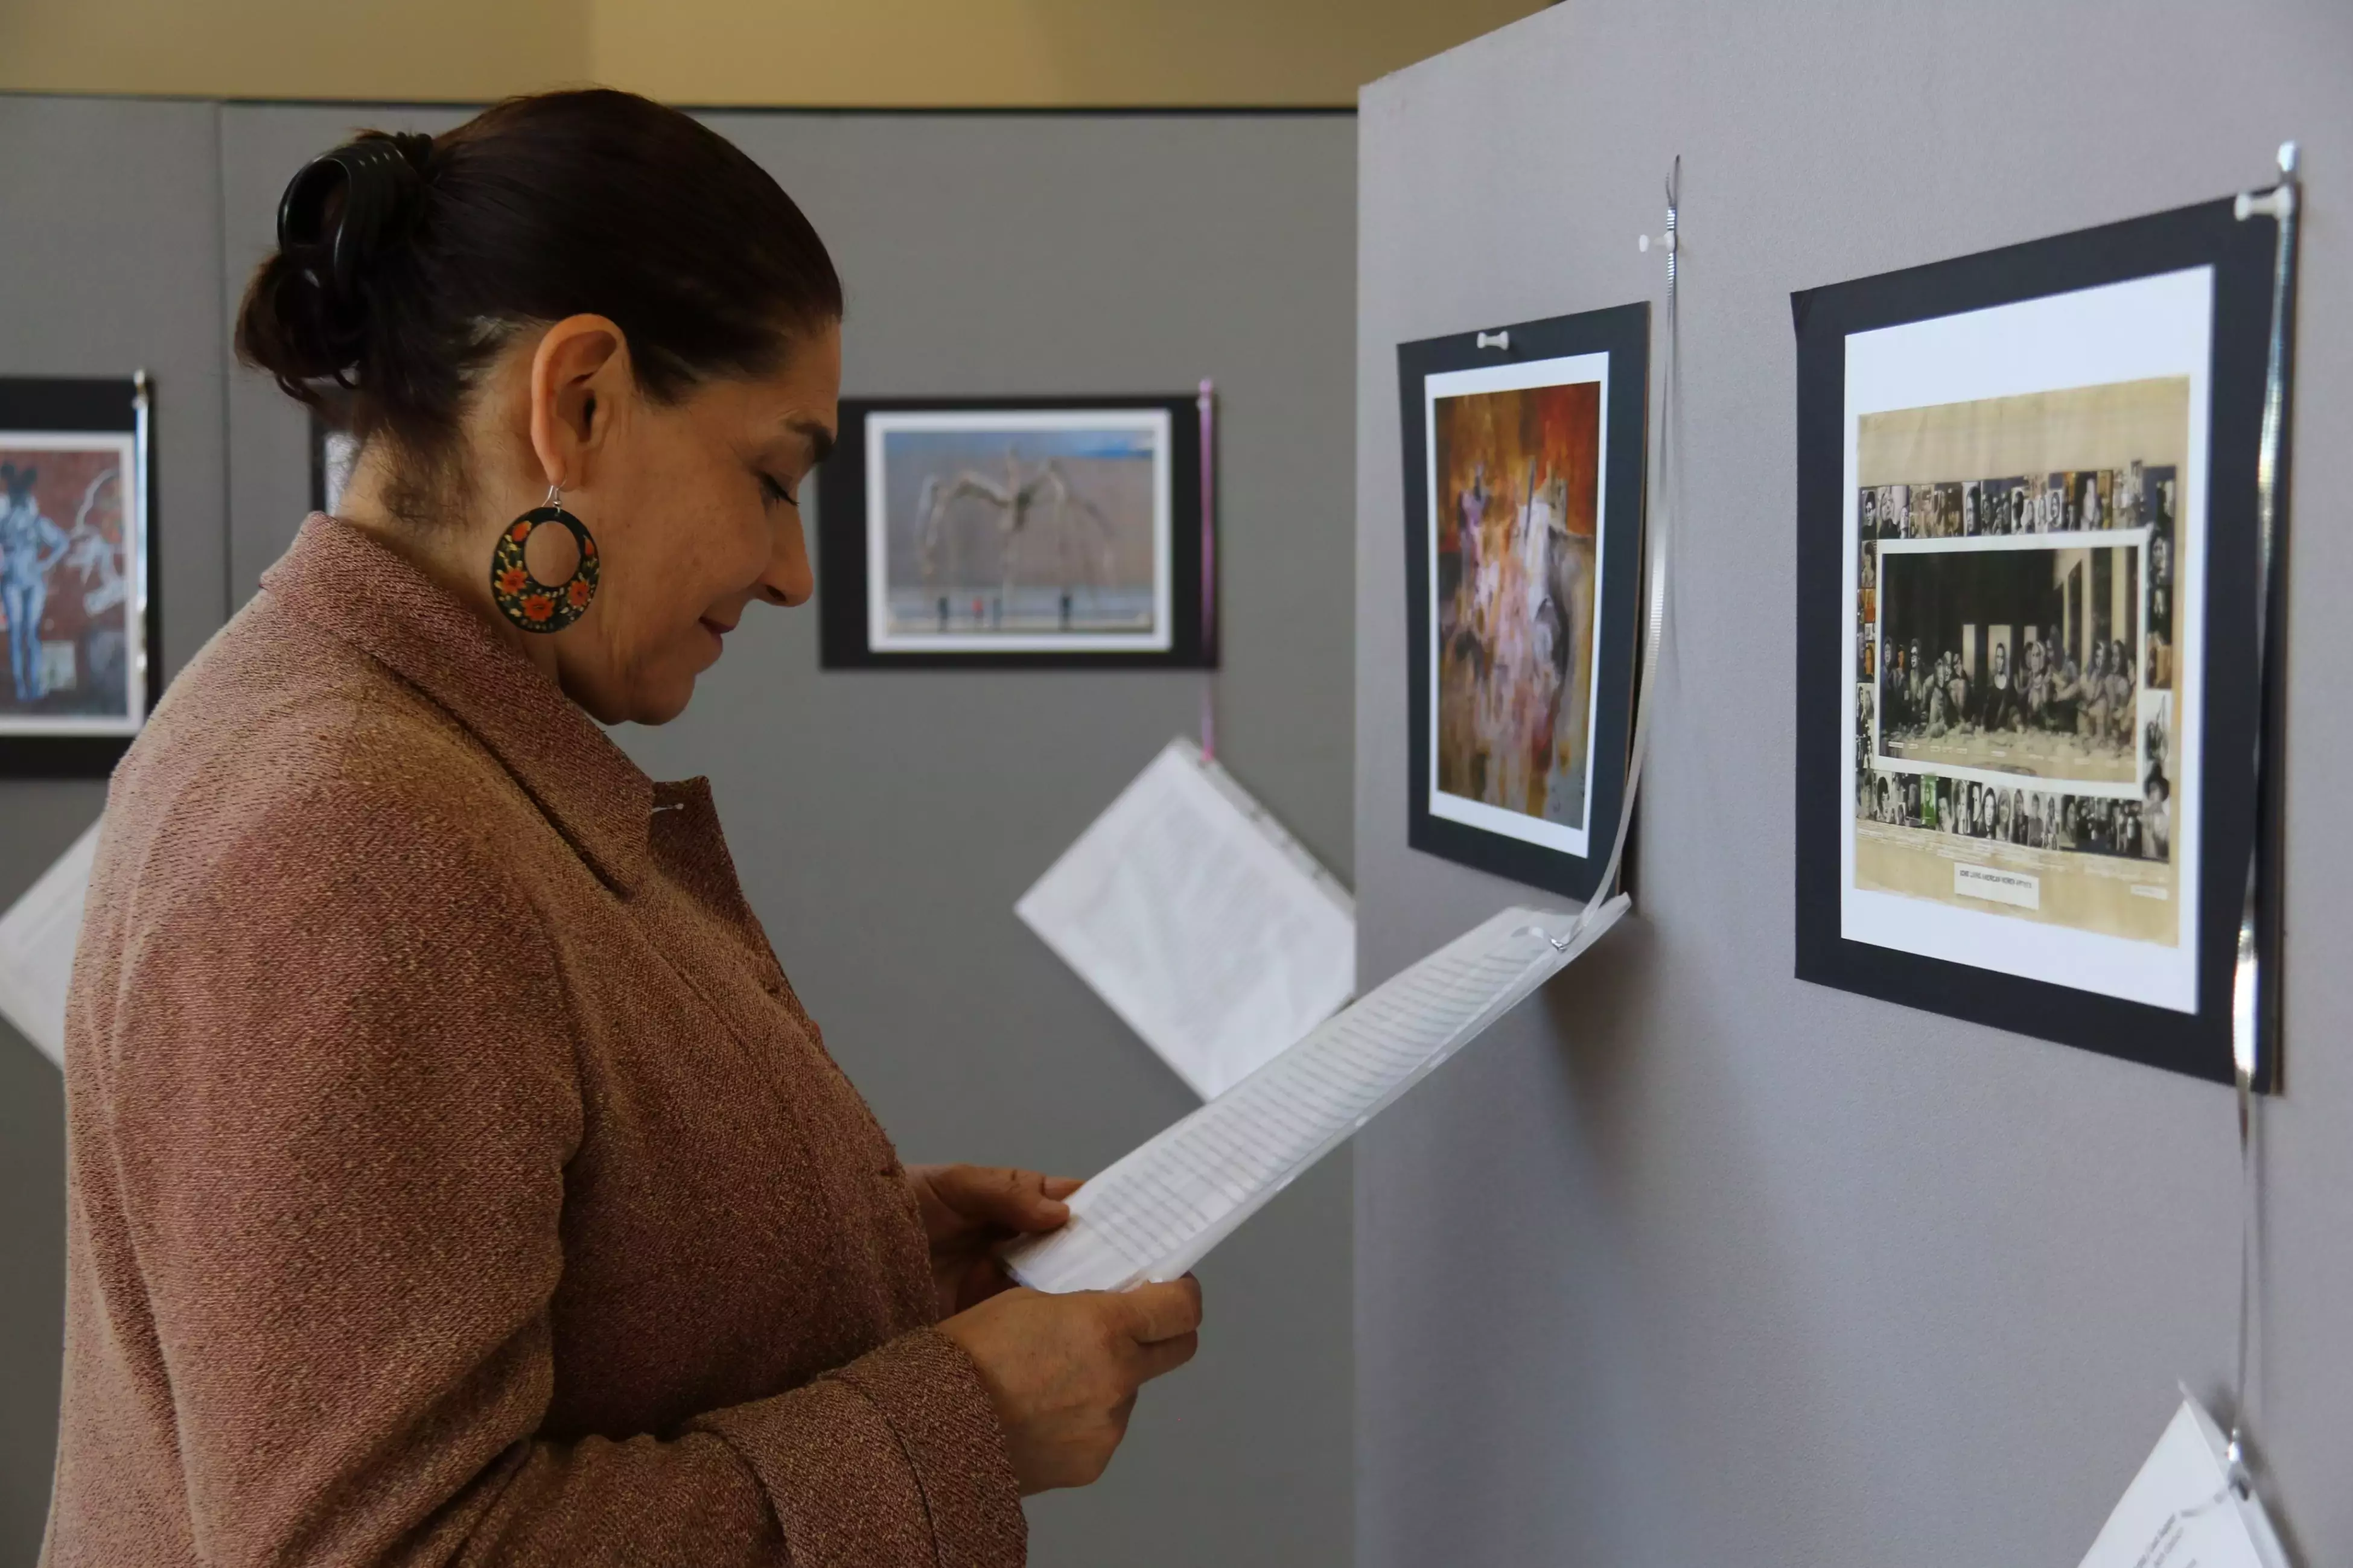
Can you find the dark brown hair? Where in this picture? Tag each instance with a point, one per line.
(406, 262)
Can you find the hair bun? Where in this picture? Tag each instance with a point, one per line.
(336, 216)
(405, 266)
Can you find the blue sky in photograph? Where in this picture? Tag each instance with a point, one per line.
(948, 445)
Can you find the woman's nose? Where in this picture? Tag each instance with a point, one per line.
(788, 580)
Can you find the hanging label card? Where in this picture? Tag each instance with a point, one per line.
(2181, 1511)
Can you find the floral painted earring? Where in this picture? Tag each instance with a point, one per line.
(526, 600)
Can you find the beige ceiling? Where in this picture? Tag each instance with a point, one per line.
(875, 53)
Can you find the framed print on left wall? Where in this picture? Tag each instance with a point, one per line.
(77, 560)
(1524, 455)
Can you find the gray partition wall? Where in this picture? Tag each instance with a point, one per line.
(1690, 1263)
(884, 822)
(110, 263)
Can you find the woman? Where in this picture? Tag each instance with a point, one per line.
(2156, 816)
(2121, 705)
(2092, 710)
(31, 545)
(454, 1176)
(2066, 691)
(1941, 711)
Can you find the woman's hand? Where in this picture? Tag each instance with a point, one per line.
(969, 1210)
(1062, 1371)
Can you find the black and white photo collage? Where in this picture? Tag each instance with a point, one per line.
(2036, 819)
(2044, 665)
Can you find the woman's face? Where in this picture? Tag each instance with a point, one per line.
(695, 508)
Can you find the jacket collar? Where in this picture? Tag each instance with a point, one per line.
(348, 586)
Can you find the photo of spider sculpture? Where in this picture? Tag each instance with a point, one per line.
(1034, 508)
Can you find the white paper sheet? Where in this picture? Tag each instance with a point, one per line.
(2181, 1511)
(36, 948)
(1161, 1208)
(1211, 931)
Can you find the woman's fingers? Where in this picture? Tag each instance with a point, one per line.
(998, 1195)
(957, 1199)
(1154, 1312)
(1163, 1356)
(982, 1278)
(1062, 1371)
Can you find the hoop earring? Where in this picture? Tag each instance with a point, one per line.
(535, 606)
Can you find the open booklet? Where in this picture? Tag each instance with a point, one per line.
(1160, 1209)
(1212, 932)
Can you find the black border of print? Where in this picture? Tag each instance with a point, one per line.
(1622, 331)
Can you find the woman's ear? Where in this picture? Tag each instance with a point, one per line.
(579, 375)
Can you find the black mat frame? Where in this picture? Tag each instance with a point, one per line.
(840, 498)
(1623, 332)
(2234, 810)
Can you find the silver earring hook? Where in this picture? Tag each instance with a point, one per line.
(554, 502)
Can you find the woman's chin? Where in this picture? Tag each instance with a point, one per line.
(642, 697)
(659, 702)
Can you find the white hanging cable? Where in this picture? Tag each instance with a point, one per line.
(2247, 1004)
(1654, 618)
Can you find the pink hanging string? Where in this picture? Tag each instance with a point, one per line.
(1208, 573)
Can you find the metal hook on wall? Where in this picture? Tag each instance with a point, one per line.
(1670, 241)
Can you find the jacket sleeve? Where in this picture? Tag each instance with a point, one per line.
(341, 1096)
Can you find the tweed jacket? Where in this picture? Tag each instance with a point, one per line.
(454, 1177)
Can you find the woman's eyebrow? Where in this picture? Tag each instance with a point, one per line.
(820, 438)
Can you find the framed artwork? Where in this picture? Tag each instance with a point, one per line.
(77, 557)
(2027, 662)
(1524, 491)
(1017, 533)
